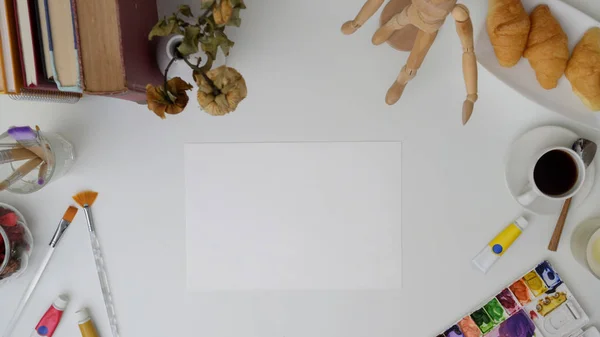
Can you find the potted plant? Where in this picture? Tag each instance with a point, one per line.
(221, 89)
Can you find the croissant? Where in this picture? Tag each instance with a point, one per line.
(547, 47)
(508, 27)
(583, 69)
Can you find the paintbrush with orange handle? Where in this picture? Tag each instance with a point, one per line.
(60, 230)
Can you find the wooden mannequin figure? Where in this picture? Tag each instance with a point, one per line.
(427, 16)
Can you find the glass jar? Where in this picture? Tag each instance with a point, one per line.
(16, 244)
(60, 159)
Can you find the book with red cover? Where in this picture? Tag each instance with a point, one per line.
(116, 56)
(40, 80)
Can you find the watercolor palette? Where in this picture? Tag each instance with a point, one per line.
(538, 304)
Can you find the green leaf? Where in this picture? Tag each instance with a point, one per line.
(164, 28)
(238, 4)
(210, 45)
(206, 4)
(185, 11)
(223, 42)
(235, 19)
(189, 45)
(210, 25)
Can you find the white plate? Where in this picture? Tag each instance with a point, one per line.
(594, 266)
(521, 77)
(519, 161)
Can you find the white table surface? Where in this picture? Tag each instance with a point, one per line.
(307, 82)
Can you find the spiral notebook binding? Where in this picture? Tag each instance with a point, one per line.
(35, 95)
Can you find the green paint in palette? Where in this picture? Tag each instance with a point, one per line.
(495, 311)
(483, 320)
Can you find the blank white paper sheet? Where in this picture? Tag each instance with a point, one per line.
(293, 216)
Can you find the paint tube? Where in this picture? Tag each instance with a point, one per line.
(86, 326)
(496, 248)
(51, 318)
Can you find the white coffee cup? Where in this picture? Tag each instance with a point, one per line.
(533, 191)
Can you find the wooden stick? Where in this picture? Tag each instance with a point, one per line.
(560, 224)
(21, 172)
(7, 156)
(415, 59)
(366, 12)
(464, 29)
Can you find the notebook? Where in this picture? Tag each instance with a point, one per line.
(46, 96)
(63, 45)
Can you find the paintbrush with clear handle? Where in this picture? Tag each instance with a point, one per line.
(60, 230)
(85, 200)
(106, 293)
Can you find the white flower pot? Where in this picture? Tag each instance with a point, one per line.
(166, 52)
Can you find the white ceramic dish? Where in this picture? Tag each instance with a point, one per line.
(594, 265)
(521, 155)
(521, 77)
(580, 238)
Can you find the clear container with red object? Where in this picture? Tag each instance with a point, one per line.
(16, 243)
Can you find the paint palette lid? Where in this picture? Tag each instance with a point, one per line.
(591, 332)
(593, 253)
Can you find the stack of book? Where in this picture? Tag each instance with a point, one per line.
(57, 50)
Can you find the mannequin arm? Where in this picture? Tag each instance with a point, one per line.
(366, 12)
(464, 28)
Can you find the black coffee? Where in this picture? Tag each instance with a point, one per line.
(555, 173)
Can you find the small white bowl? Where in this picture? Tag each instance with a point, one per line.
(593, 263)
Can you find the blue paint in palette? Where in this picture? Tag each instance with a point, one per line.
(549, 276)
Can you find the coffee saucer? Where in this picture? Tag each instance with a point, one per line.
(519, 160)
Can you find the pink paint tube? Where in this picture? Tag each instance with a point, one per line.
(51, 318)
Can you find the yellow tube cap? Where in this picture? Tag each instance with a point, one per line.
(82, 316)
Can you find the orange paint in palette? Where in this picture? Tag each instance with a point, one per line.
(521, 292)
(468, 327)
(521, 310)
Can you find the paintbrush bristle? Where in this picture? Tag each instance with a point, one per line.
(70, 213)
(85, 198)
